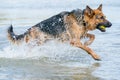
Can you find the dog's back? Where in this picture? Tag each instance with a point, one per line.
(54, 25)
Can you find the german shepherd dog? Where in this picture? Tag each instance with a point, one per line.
(66, 26)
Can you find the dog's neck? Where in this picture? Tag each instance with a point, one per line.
(86, 22)
(79, 15)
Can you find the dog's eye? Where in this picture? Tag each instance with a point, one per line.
(101, 17)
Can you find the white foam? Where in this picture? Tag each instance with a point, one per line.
(49, 49)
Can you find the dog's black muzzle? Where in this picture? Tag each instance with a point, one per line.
(102, 26)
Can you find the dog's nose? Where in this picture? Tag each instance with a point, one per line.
(109, 24)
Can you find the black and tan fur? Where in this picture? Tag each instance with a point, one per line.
(66, 26)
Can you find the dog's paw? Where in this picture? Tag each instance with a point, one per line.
(96, 57)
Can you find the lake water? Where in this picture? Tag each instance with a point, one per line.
(53, 60)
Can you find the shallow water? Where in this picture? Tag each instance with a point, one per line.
(53, 60)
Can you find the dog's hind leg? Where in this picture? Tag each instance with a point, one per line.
(91, 39)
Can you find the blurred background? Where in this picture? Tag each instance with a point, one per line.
(21, 12)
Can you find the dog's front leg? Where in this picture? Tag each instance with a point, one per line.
(88, 50)
(91, 39)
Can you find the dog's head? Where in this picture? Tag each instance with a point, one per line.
(96, 19)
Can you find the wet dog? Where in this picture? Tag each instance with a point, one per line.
(66, 27)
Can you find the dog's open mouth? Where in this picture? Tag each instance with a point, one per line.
(102, 26)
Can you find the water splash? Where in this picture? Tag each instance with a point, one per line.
(24, 50)
(52, 50)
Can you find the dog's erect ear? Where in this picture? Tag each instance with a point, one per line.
(100, 7)
(89, 11)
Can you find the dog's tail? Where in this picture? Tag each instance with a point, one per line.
(13, 37)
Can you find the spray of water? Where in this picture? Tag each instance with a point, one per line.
(50, 52)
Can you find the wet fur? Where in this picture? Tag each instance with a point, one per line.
(66, 26)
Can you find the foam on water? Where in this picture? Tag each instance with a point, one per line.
(50, 52)
(51, 49)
